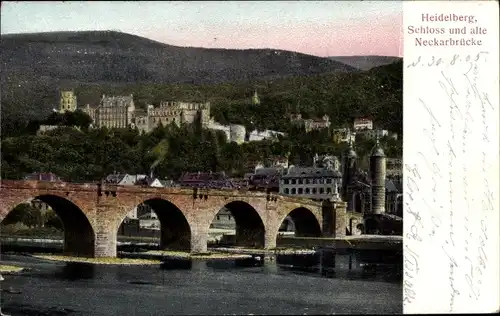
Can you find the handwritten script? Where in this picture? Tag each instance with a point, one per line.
(451, 181)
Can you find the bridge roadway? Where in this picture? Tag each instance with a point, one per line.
(92, 213)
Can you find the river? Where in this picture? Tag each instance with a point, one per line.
(297, 284)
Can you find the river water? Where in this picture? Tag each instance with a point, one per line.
(300, 285)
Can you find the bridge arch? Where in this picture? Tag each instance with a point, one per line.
(175, 229)
(249, 224)
(306, 222)
(79, 235)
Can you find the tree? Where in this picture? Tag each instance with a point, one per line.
(26, 214)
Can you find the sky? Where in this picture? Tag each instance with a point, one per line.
(321, 28)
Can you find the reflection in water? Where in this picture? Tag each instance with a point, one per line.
(233, 264)
(73, 271)
(344, 265)
(176, 264)
(185, 287)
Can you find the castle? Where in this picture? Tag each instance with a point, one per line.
(120, 112)
(172, 112)
(67, 101)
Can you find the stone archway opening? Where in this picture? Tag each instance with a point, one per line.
(372, 226)
(237, 224)
(52, 217)
(304, 224)
(157, 221)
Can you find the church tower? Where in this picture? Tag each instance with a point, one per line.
(349, 159)
(67, 101)
(377, 179)
(255, 98)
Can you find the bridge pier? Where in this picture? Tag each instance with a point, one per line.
(106, 232)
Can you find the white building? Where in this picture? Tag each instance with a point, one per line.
(362, 123)
(256, 136)
(374, 133)
(237, 133)
(137, 179)
(311, 182)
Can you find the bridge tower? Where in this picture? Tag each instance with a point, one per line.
(349, 164)
(377, 179)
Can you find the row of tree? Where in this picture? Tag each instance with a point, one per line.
(168, 151)
(31, 217)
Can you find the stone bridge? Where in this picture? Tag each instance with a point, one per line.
(92, 213)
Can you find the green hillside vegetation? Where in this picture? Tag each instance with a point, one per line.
(85, 155)
(376, 93)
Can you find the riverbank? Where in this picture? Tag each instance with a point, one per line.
(10, 269)
(169, 254)
(112, 261)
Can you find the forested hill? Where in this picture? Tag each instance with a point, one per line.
(115, 57)
(377, 93)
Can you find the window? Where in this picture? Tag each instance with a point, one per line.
(299, 181)
(329, 180)
(329, 190)
(287, 191)
(218, 217)
(294, 181)
(308, 190)
(313, 190)
(321, 190)
(300, 190)
(285, 181)
(293, 191)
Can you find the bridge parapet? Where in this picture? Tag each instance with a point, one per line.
(47, 185)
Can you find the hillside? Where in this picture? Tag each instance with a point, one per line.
(115, 57)
(365, 62)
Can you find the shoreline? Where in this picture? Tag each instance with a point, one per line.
(97, 261)
(8, 269)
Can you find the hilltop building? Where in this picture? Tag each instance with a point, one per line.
(67, 102)
(363, 124)
(176, 112)
(311, 124)
(112, 112)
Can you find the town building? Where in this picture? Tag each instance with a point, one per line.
(343, 135)
(310, 124)
(67, 102)
(377, 133)
(362, 124)
(214, 180)
(134, 179)
(393, 197)
(394, 167)
(319, 182)
(256, 136)
(265, 179)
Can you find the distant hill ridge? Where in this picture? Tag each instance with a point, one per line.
(366, 62)
(115, 57)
